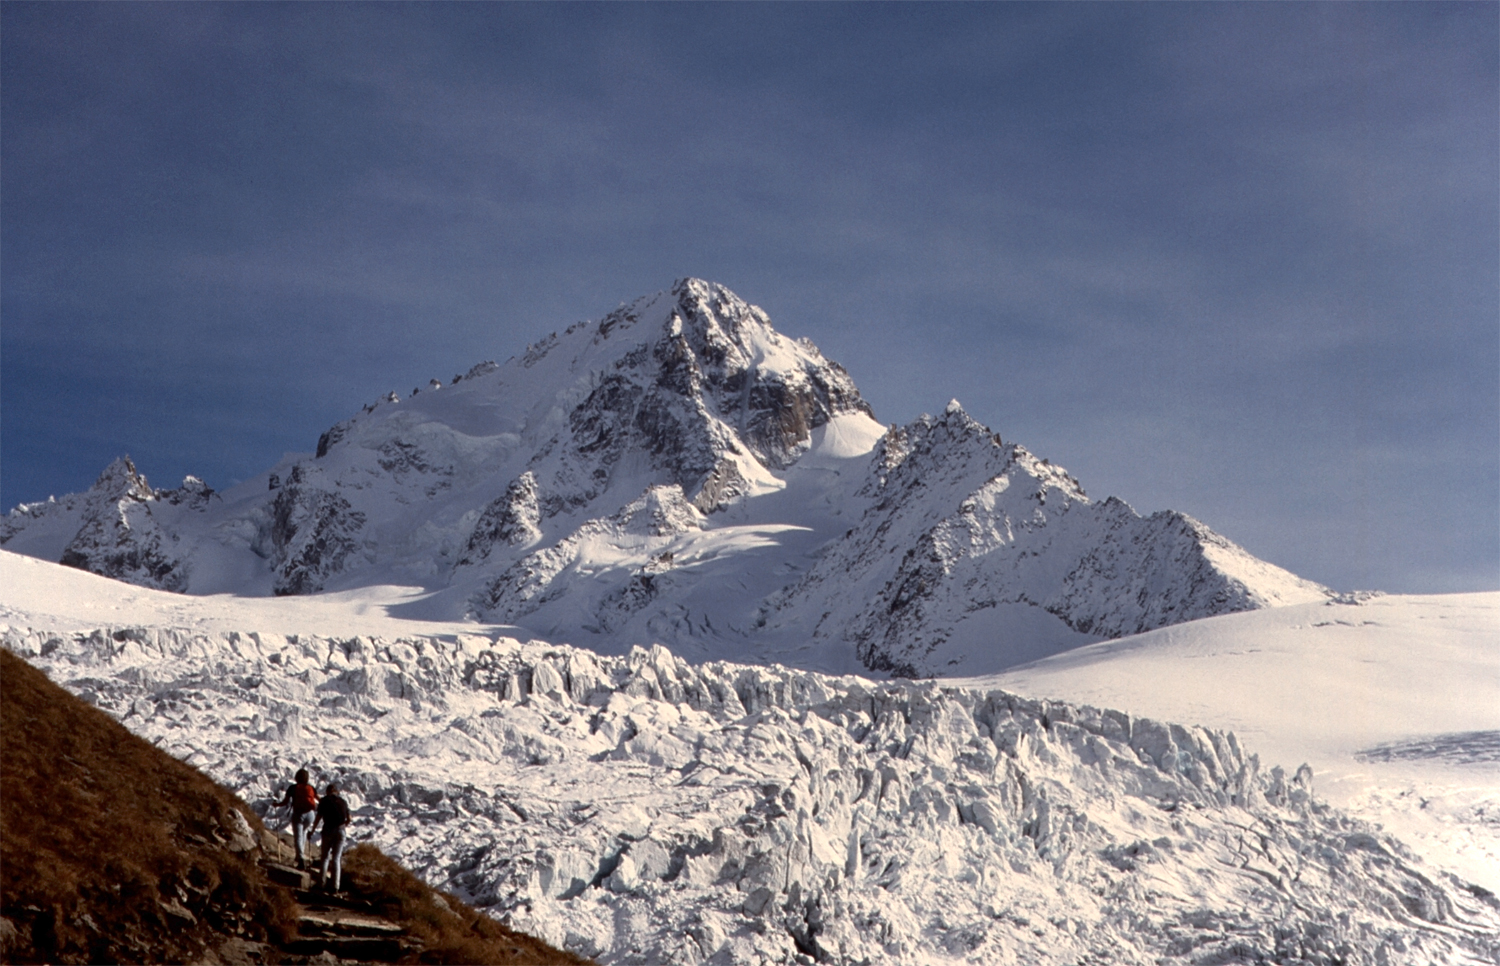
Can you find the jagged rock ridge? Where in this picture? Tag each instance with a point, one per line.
(825, 538)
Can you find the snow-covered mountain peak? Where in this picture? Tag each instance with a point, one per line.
(694, 381)
(113, 528)
(121, 480)
(679, 472)
(957, 452)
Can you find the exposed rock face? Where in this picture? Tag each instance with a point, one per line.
(331, 437)
(723, 486)
(1142, 574)
(193, 494)
(773, 410)
(510, 520)
(314, 532)
(644, 809)
(698, 391)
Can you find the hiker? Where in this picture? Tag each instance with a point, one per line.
(304, 801)
(333, 812)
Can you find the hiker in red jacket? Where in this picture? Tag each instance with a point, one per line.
(333, 812)
(304, 801)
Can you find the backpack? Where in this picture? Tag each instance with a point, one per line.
(335, 812)
(304, 798)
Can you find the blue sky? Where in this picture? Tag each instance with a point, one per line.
(1236, 260)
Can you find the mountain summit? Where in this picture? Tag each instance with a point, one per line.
(678, 472)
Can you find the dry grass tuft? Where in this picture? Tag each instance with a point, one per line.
(451, 931)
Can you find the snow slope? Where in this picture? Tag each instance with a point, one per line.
(678, 472)
(642, 809)
(1394, 701)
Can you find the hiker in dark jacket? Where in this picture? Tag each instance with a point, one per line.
(304, 801)
(333, 812)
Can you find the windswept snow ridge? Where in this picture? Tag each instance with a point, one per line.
(640, 809)
(810, 534)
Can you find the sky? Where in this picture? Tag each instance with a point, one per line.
(1238, 260)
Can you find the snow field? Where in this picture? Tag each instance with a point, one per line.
(1326, 684)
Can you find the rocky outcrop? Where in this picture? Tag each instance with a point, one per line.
(660, 512)
(510, 520)
(724, 484)
(331, 437)
(193, 494)
(314, 533)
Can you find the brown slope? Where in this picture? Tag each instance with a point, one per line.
(113, 851)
